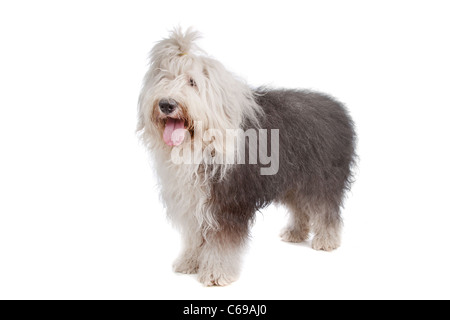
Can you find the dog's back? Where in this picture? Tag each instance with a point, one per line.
(316, 152)
(317, 141)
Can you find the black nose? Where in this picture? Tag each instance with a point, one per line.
(167, 105)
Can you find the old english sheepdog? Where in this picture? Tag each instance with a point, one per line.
(224, 151)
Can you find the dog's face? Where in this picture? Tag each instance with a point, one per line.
(183, 87)
(177, 96)
(178, 90)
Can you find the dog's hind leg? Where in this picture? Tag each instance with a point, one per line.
(297, 229)
(305, 213)
(327, 224)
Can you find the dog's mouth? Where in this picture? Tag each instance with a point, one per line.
(174, 131)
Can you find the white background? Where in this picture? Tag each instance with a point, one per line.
(79, 211)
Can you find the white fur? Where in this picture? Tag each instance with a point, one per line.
(181, 197)
(220, 101)
(219, 263)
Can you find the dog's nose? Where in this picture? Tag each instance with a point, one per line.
(167, 105)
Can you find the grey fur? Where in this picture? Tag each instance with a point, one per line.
(316, 154)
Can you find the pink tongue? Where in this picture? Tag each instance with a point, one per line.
(174, 132)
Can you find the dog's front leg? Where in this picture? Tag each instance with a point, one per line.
(188, 260)
(220, 257)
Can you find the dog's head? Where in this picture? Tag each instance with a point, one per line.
(183, 86)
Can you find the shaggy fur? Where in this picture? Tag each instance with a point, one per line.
(213, 204)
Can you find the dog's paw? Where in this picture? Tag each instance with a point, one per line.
(215, 278)
(186, 264)
(291, 235)
(325, 243)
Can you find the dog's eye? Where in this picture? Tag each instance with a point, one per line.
(192, 82)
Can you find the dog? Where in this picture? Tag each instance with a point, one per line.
(211, 186)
